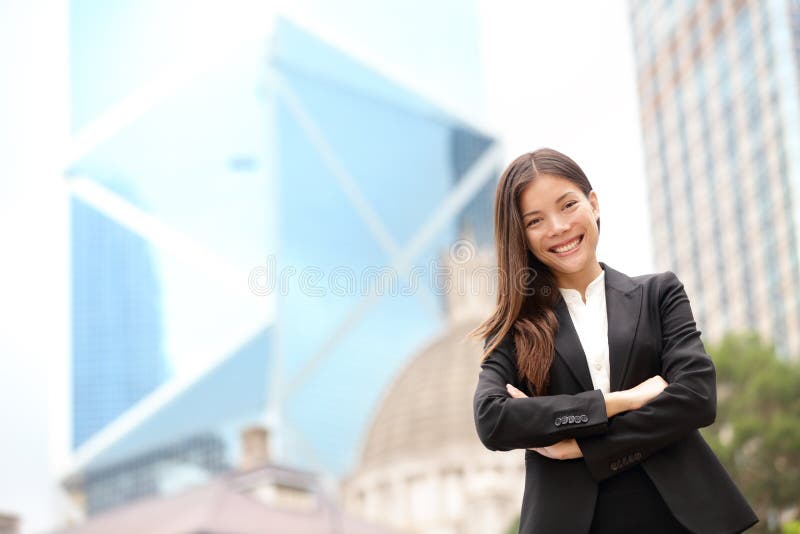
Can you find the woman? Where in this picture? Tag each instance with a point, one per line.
(601, 377)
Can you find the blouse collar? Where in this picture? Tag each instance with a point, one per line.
(594, 287)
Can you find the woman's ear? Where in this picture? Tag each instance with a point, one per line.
(595, 203)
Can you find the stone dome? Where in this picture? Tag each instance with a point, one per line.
(430, 403)
(422, 468)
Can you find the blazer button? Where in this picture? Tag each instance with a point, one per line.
(584, 419)
(558, 421)
(571, 418)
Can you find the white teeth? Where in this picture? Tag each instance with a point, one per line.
(567, 248)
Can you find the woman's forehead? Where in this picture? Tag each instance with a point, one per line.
(547, 189)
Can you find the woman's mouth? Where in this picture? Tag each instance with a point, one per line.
(567, 249)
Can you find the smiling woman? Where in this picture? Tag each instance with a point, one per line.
(604, 382)
(562, 227)
(543, 203)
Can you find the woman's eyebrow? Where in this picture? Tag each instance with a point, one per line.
(556, 202)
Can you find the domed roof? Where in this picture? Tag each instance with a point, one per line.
(430, 403)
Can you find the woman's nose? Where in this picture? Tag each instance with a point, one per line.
(558, 227)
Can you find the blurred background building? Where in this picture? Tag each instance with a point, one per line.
(9, 524)
(118, 355)
(257, 496)
(213, 192)
(720, 103)
(420, 468)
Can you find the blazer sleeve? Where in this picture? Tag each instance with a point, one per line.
(687, 403)
(504, 423)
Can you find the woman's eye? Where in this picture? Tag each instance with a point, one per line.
(569, 204)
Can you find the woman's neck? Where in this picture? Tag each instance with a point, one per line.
(580, 281)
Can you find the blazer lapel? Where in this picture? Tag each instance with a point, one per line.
(568, 346)
(623, 308)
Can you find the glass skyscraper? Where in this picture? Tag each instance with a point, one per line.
(720, 115)
(116, 321)
(292, 192)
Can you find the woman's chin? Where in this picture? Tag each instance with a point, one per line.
(572, 264)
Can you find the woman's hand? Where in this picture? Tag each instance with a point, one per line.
(566, 449)
(646, 391)
(635, 397)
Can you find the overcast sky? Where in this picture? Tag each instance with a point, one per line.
(561, 74)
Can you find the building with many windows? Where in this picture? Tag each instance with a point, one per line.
(720, 114)
(117, 350)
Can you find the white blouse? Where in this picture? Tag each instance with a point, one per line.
(591, 323)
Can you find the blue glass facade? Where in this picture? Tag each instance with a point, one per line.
(196, 431)
(360, 174)
(289, 148)
(118, 354)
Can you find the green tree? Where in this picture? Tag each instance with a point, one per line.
(757, 431)
(513, 528)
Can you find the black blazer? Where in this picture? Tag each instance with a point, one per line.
(651, 330)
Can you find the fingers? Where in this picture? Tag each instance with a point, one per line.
(554, 452)
(658, 383)
(658, 379)
(514, 392)
(566, 449)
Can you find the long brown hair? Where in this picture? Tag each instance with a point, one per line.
(527, 291)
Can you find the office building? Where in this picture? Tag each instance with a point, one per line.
(720, 115)
(293, 189)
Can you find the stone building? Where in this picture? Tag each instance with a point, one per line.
(422, 467)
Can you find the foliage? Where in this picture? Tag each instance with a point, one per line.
(513, 528)
(756, 434)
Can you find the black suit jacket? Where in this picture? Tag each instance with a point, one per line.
(651, 330)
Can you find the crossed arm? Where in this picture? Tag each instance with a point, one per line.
(616, 402)
(623, 428)
(506, 418)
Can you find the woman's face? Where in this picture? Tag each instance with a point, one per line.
(554, 214)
